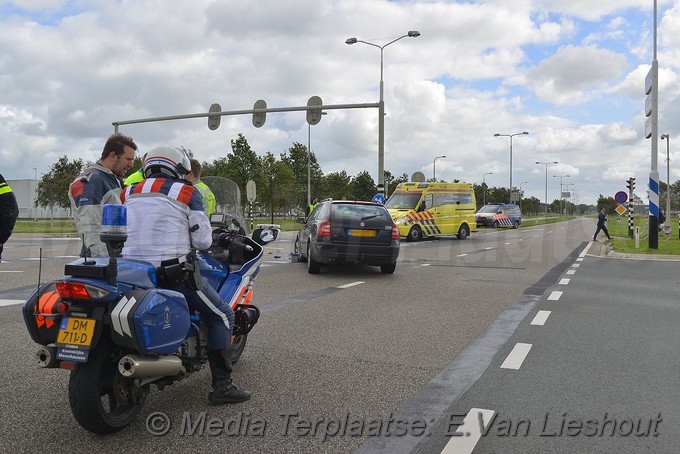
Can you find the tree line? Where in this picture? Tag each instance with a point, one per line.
(282, 182)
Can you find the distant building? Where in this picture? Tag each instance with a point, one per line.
(25, 192)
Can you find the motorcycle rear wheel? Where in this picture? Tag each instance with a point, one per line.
(100, 398)
(237, 347)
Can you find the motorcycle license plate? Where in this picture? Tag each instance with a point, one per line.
(75, 331)
(361, 233)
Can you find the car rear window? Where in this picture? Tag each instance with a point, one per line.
(342, 211)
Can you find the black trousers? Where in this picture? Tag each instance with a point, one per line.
(603, 228)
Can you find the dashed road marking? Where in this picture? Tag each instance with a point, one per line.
(555, 296)
(10, 302)
(476, 420)
(351, 284)
(576, 265)
(571, 272)
(540, 318)
(564, 281)
(516, 356)
(461, 255)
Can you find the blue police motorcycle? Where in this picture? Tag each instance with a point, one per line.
(113, 325)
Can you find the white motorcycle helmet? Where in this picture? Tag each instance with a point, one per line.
(168, 160)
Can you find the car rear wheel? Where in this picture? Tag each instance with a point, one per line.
(388, 269)
(463, 232)
(515, 225)
(298, 252)
(496, 224)
(415, 234)
(313, 267)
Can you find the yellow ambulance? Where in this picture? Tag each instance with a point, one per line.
(422, 210)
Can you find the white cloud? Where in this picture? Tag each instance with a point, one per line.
(69, 69)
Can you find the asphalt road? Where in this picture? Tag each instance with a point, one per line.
(352, 359)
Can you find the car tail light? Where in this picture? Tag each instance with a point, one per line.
(395, 232)
(79, 291)
(324, 229)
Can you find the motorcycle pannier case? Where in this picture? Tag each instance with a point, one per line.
(150, 321)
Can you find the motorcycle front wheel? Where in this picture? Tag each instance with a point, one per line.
(102, 401)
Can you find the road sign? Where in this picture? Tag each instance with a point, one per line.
(621, 197)
(250, 191)
(379, 198)
(620, 209)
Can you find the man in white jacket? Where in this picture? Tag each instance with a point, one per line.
(165, 218)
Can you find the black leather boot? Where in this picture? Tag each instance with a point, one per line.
(223, 391)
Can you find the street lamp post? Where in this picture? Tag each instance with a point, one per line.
(560, 177)
(546, 164)
(381, 107)
(434, 167)
(484, 184)
(668, 176)
(35, 193)
(309, 163)
(511, 136)
(520, 194)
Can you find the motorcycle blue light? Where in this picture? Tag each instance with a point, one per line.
(114, 219)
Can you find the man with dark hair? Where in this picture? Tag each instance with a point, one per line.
(9, 210)
(98, 185)
(209, 202)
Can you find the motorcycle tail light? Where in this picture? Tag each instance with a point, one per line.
(79, 291)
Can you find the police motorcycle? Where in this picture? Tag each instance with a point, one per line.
(113, 325)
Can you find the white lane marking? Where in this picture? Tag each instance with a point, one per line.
(10, 302)
(351, 284)
(580, 259)
(576, 265)
(585, 250)
(66, 256)
(516, 356)
(555, 296)
(507, 243)
(571, 272)
(461, 255)
(11, 271)
(564, 281)
(540, 318)
(476, 420)
(488, 248)
(426, 264)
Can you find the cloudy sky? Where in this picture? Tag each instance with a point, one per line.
(571, 73)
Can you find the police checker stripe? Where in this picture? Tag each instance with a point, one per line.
(175, 190)
(503, 220)
(426, 221)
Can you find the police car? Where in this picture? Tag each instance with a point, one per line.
(499, 215)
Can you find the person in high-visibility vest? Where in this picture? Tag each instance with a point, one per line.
(209, 202)
(135, 177)
(310, 208)
(9, 210)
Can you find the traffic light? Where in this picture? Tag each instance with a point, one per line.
(630, 184)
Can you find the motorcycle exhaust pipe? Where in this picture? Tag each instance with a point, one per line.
(140, 366)
(47, 357)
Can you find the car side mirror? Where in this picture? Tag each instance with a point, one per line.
(300, 220)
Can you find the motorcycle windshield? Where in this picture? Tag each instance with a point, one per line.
(228, 198)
